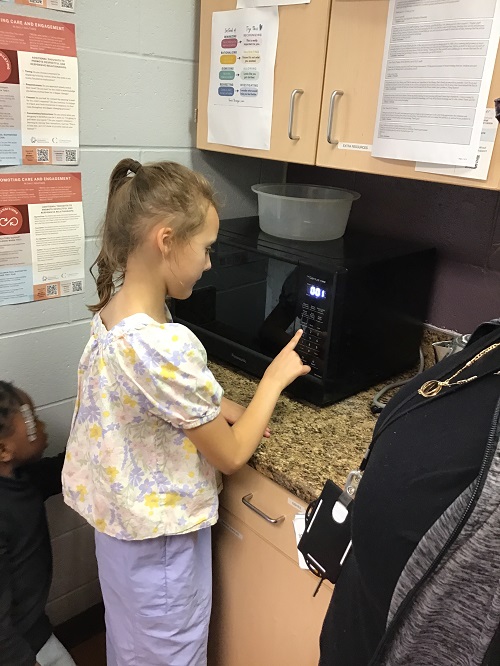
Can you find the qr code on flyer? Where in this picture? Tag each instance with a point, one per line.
(67, 4)
(70, 153)
(52, 290)
(77, 286)
(42, 154)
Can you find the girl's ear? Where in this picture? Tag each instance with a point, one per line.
(164, 240)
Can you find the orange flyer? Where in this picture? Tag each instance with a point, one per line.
(38, 92)
(42, 236)
(61, 5)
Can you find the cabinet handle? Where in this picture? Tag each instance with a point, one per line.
(294, 94)
(333, 97)
(246, 502)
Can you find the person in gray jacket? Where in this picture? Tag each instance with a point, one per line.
(421, 585)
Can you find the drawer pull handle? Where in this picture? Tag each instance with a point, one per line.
(246, 502)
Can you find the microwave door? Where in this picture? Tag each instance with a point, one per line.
(247, 298)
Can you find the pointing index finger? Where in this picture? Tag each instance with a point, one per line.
(295, 340)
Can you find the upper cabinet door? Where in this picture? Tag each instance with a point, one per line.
(353, 68)
(300, 60)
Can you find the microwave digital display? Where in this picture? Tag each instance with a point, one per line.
(314, 291)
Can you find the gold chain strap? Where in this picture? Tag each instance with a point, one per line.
(434, 386)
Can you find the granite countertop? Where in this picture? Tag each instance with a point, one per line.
(310, 444)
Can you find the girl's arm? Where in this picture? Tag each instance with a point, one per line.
(228, 448)
(232, 411)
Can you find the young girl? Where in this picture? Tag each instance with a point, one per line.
(150, 427)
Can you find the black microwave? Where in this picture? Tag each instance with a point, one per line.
(361, 301)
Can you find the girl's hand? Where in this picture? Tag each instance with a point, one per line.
(232, 411)
(287, 365)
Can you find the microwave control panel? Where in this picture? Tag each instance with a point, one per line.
(313, 315)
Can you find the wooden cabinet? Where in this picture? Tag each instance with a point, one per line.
(323, 47)
(353, 65)
(300, 62)
(263, 608)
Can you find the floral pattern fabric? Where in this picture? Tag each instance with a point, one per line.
(130, 470)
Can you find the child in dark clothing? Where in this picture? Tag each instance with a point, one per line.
(26, 481)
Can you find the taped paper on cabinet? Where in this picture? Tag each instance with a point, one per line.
(480, 170)
(241, 4)
(240, 98)
(436, 74)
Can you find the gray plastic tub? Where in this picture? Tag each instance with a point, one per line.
(304, 212)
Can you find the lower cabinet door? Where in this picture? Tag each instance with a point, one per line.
(264, 613)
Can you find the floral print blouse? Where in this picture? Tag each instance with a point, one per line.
(130, 471)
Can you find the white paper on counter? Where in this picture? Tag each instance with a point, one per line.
(241, 4)
(299, 525)
(240, 99)
(436, 75)
(482, 165)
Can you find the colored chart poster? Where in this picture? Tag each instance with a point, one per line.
(60, 5)
(436, 75)
(483, 159)
(41, 236)
(38, 92)
(240, 100)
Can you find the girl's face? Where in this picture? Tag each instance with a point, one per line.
(186, 263)
(27, 440)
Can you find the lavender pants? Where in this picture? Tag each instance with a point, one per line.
(158, 597)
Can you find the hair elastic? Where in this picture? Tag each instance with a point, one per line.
(135, 166)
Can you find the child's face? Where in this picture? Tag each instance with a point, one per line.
(27, 439)
(187, 263)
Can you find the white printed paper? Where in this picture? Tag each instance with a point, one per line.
(240, 99)
(482, 165)
(242, 4)
(436, 74)
(299, 525)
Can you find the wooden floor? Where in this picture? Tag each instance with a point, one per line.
(92, 652)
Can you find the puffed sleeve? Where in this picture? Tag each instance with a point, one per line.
(168, 365)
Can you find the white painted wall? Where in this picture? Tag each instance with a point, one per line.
(137, 65)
